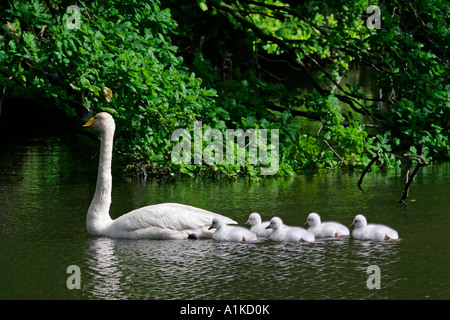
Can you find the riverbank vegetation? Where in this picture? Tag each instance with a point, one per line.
(159, 66)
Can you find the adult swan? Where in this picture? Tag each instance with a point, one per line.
(159, 221)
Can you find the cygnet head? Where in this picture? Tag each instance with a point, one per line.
(253, 219)
(275, 223)
(313, 219)
(217, 222)
(359, 221)
(102, 122)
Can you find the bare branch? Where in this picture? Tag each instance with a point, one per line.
(342, 160)
(374, 159)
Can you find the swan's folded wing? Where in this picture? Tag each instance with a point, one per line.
(169, 215)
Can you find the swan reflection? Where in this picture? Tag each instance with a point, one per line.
(104, 269)
(144, 269)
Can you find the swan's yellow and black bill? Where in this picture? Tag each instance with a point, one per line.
(89, 123)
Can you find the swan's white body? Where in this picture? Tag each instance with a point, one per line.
(230, 233)
(282, 232)
(325, 229)
(159, 221)
(257, 226)
(364, 231)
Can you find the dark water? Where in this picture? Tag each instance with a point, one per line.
(46, 186)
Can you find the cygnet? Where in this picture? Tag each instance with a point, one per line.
(325, 229)
(364, 231)
(257, 226)
(230, 233)
(282, 232)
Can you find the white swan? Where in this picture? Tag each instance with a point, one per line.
(159, 221)
(230, 233)
(364, 231)
(325, 229)
(282, 232)
(257, 226)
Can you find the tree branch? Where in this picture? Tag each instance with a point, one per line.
(342, 160)
(221, 6)
(421, 162)
(306, 114)
(374, 159)
(347, 97)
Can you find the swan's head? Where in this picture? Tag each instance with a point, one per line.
(313, 219)
(253, 219)
(359, 221)
(102, 122)
(275, 223)
(216, 223)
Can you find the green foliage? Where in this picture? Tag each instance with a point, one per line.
(125, 48)
(226, 64)
(408, 58)
(414, 72)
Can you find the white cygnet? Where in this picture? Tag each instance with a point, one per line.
(325, 229)
(282, 232)
(364, 231)
(257, 226)
(228, 233)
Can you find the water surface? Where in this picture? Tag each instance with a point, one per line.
(46, 186)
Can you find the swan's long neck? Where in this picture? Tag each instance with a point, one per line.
(98, 218)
